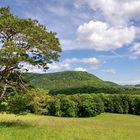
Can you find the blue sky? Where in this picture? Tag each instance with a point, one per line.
(101, 37)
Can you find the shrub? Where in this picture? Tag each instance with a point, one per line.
(118, 103)
(18, 103)
(136, 105)
(126, 103)
(62, 106)
(54, 107)
(3, 106)
(99, 104)
(68, 107)
(88, 105)
(108, 103)
(38, 101)
(87, 109)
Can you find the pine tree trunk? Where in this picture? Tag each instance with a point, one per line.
(3, 92)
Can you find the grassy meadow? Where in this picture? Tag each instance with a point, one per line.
(106, 126)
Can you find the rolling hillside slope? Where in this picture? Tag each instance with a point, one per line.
(71, 82)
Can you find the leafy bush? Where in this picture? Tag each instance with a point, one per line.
(38, 101)
(87, 109)
(127, 104)
(62, 106)
(108, 104)
(68, 107)
(54, 107)
(88, 105)
(18, 103)
(3, 106)
(122, 104)
(136, 105)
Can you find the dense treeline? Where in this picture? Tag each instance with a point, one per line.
(72, 82)
(109, 89)
(78, 105)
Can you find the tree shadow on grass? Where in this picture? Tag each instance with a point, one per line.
(15, 123)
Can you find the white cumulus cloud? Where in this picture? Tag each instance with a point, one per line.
(135, 49)
(103, 37)
(89, 60)
(116, 11)
(80, 69)
(59, 66)
(67, 64)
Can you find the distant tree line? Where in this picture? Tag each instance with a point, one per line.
(109, 89)
(38, 101)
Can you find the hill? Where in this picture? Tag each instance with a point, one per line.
(71, 82)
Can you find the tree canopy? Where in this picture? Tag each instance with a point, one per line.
(23, 40)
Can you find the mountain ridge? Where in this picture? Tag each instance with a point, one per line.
(69, 81)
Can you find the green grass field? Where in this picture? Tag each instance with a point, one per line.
(103, 127)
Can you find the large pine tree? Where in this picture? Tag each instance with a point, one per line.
(23, 40)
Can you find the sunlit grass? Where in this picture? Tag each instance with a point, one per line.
(103, 127)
